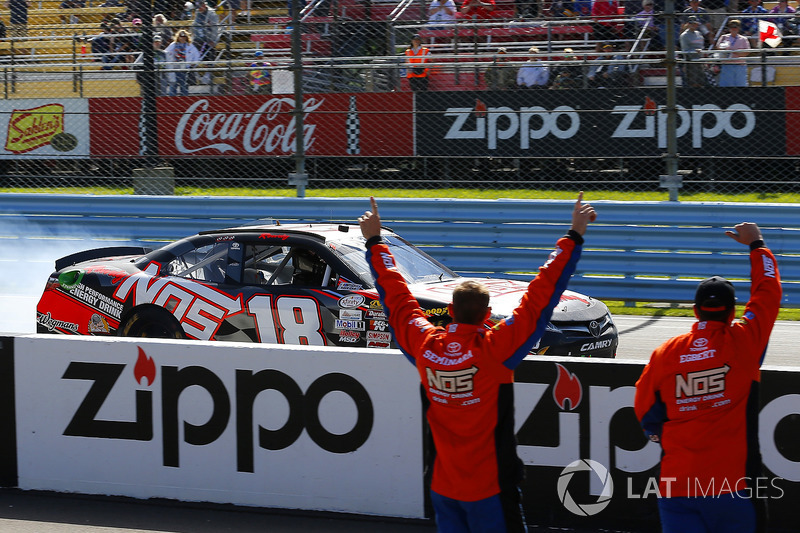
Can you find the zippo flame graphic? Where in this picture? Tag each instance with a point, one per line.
(650, 107)
(145, 368)
(480, 109)
(567, 387)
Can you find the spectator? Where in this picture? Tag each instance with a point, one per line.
(160, 58)
(442, 12)
(561, 9)
(568, 76)
(750, 24)
(732, 46)
(160, 28)
(205, 29)
(101, 45)
(259, 75)
(703, 20)
(646, 19)
(417, 56)
(500, 77)
(477, 9)
(582, 8)
(534, 74)
(615, 74)
(476, 471)
(181, 56)
(708, 433)
(18, 17)
(71, 4)
(602, 13)
(2, 29)
(717, 13)
(692, 44)
(783, 7)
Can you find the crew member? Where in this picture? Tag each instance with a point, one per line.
(467, 373)
(698, 397)
(417, 56)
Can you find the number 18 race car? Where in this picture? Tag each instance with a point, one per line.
(292, 284)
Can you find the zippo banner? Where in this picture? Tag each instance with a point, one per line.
(630, 123)
(588, 463)
(270, 426)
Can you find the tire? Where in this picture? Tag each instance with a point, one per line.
(152, 322)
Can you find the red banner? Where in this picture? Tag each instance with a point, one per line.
(334, 124)
(792, 120)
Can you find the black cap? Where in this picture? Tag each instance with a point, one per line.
(416, 37)
(715, 294)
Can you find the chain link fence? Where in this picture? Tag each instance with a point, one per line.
(182, 98)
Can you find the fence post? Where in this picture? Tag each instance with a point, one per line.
(672, 181)
(299, 178)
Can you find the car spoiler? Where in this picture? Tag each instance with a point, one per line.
(97, 253)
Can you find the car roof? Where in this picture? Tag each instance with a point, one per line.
(320, 231)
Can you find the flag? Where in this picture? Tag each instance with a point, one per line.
(769, 33)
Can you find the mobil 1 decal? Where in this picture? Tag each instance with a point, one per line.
(600, 123)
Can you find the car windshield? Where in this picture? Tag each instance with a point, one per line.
(415, 265)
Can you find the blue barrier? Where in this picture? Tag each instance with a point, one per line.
(637, 251)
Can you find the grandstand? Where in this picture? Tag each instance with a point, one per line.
(347, 46)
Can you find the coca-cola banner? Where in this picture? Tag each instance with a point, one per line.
(578, 123)
(363, 124)
(44, 128)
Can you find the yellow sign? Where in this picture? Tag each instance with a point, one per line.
(29, 129)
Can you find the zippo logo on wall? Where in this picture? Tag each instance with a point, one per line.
(303, 408)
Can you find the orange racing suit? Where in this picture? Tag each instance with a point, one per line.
(467, 373)
(698, 394)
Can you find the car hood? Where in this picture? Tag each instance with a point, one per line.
(505, 295)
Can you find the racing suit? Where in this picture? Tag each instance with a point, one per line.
(467, 378)
(698, 395)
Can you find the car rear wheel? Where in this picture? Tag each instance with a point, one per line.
(152, 323)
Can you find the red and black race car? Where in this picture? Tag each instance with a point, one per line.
(293, 284)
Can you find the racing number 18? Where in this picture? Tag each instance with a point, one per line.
(294, 320)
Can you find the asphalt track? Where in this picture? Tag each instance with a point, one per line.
(46, 512)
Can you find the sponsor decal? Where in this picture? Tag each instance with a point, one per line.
(567, 389)
(52, 324)
(378, 325)
(273, 236)
(349, 336)
(596, 345)
(347, 286)
(379, 336)
(350, 314)
(377, 344)
(351, 300)
(699, 343)
(375, 305)
(701, 383)
(437, 311)
(116, 274)
(97, 324)
(97, 300)
(29, 129)
(355, 325)
(376, 314)
(106, 382)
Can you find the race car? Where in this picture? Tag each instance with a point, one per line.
(294, 284)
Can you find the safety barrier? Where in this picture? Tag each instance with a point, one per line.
(637, 251)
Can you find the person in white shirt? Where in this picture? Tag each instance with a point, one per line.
(442, 11)
(534, 74)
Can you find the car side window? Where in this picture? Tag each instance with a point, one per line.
(266, 264)
(204, 263)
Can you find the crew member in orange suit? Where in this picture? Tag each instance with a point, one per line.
(698, 398)
(417, 73)
(476, 470)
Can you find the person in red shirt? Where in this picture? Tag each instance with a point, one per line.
(603, 11)
(698, 397)
(478, 9)
(467, 375)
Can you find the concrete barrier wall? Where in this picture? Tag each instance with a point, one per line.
(333, 429)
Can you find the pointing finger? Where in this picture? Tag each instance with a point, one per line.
(374, 205)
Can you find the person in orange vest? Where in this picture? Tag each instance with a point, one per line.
(417, 74)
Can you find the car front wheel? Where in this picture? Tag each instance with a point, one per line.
(152, 323)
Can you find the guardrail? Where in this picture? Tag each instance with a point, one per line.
(637, 251)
